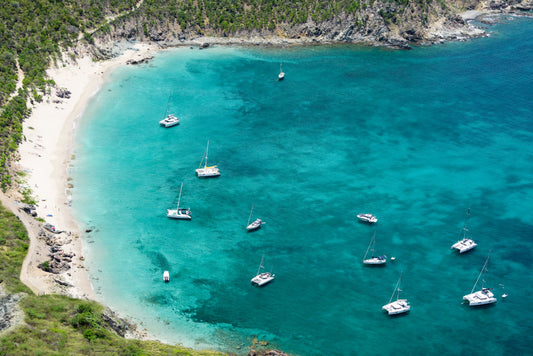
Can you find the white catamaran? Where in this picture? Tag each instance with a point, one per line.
(374, 260)
(179, 213)
(465, 244)
(207, 172)
(170, 119)
(262, 278)
(483, 296)
(256, 224)
(399, 306)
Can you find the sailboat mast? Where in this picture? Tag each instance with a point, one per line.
(480, 273)
(396, 289)
(260, 265)
(179, 198)
(465, 225)
(249, 217)
(168, 103)
(370, 244)
(206, 152)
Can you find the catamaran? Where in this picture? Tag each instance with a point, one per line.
(179, 213)
(207, 172)
(256, 224)
(378, 260)
(169, 120)
(262, 278)
(399, 306)
(483, 296)
(465, 244)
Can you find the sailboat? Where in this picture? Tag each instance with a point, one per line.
(281, 74)
(166, 277)
(169, 120)
(206, 171)
(179, 213)
(465, 244)
(262, 278)
(483, 296)
(256, 224)
(379, 260)
(399, 306)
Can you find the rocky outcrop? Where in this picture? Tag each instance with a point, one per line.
(59, 261)
(121, 326)
(10, 313)
(398, 24)
(267, 353)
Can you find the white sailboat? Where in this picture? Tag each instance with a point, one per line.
(399, 306)
(483, 296)
(281, 74)
(256, 224)
(374, 260)
(465, 244)
(262, 278)
(170, 119)
(166, 277)
(179, 213)
(207, 172)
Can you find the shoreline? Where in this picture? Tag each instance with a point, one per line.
(45, 158)
(46, 155)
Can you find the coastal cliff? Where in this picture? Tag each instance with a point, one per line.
(398, 23)
(395, 24)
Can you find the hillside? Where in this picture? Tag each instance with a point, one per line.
(35, 33)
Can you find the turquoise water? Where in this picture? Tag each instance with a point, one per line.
(415, 137)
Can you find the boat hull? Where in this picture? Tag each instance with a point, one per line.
(174, 214)
(254, 226)
(367, 218)
(482, 297)
(169, 121)
(464, 245)
(376, 261)
(262, 279)
(399, 306)
(207, 172)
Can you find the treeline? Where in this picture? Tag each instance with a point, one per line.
(32, 33)
(229, 16)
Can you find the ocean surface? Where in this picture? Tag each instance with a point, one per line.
(415, 137)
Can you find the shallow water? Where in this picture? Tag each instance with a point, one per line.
(415, 137)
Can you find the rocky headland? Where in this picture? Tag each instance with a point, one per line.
(395, 24)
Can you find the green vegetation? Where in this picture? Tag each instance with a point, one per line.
(34, 32)
(13, 248)
(55, 324)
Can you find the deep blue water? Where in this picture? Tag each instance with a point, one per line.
(415, 137)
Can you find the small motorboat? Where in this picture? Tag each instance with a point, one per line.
(367, 218)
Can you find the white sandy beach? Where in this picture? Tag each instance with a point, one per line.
(45, 156)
